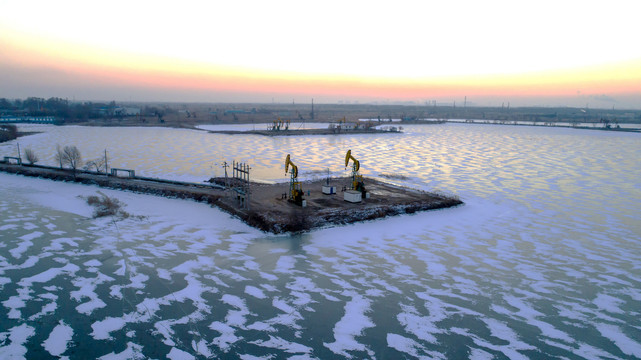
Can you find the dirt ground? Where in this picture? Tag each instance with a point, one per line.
(270, 209)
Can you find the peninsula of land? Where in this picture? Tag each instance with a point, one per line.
(267, 207)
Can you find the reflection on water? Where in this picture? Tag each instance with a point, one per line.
(541, 261)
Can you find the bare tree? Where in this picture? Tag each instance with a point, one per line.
(97, 164)
(71, 157)
(31, 156)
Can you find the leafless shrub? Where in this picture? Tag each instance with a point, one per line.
(31, 156)
(107, 206)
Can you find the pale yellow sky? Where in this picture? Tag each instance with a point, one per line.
(256, 50)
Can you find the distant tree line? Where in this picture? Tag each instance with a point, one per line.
(62, 109)
(66, 111)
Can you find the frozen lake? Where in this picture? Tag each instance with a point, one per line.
(541, 262)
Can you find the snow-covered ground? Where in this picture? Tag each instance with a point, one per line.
(541, 262)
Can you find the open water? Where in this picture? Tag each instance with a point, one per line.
(542, 261)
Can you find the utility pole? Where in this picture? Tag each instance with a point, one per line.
(225, 166)
(19, 156)
(106, 167)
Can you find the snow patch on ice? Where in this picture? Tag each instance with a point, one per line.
(405, 345)
(12, 343)
(87, 287)
(200, 347)
(59, 339)
(505, 333)
(423, 327)
(614, 333)
(608, 303)
(47, 309)
(227, 338)
(25, 244)
(255, 292)
(275, 342)
(177, 354)
(132, 352)
(164, 274)
(102, 328)
(14, 303)
(267, 276)
(285, 264)
(351, 325)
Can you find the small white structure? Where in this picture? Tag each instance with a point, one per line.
(329, 190)
(130, 173)
(352, 196)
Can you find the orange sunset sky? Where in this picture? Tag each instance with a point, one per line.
(543, 53)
